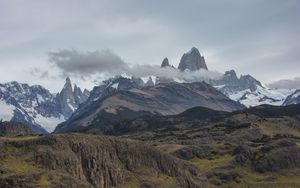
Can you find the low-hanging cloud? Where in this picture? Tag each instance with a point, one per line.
(286, 84)
(105, 62)
(87, 63)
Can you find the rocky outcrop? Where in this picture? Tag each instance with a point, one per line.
(232, 83)
(66, 99)
(70, 99)
(293, 98)
(93, 161)
(15, 129)
(192, 61)
(150, 82)
(165, 63)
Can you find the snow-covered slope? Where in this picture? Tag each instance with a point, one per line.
(249, 91)
(261, 95)
(294, 98)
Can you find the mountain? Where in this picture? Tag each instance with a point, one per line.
(87, 161)
(69, 99)
(244, 89)
(249, 91)
(36, 106)
(165, 63)
(122, 98)
(255, 147)
(192, 61)
(294, 98)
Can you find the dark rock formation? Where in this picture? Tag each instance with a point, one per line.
(150, 82)
(165, 63)
(192, 61)
(70, 99)
(231, 83)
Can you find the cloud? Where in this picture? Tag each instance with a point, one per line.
(286, 84)
(106, 62)
(87, 63)
(37, 72)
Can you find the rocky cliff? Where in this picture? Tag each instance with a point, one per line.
(192, 61)
(15, 129)
(76, 160)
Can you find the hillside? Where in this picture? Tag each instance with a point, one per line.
(256, 147)
(76, 160)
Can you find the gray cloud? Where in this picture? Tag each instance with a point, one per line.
(85, 64)
(286, 84)
(107, 63)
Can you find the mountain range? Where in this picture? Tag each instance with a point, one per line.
(124, 98)
(151, 132)
(131, 97)
(200, 147)
(245, 89)
(37, 107)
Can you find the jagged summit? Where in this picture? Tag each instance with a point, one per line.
(70, 99)
(192, 60)
(36, 106)
(150, 82)
(165, 63)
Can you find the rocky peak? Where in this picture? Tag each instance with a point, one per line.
(67, 99)
(150, 82)
(70, 99)
(192, 61)
(165, 63)
(230, 78)
(247, 81)
(86, 93)
(231, 73)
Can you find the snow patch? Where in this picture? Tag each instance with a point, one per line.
(6, 111)
(115, 85)
(40, 99)
(260, 96)
(48, 123)
(296, 95)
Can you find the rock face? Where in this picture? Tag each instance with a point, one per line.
(165, 63)
(293, 98)
(15, 129)
(81, 161)
(108, 105)
(70, 99)
(67, 99)
(192, 61)
(36, 106)
(150, 82)
(233, 83)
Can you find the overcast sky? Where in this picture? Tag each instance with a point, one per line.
(257, 37)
